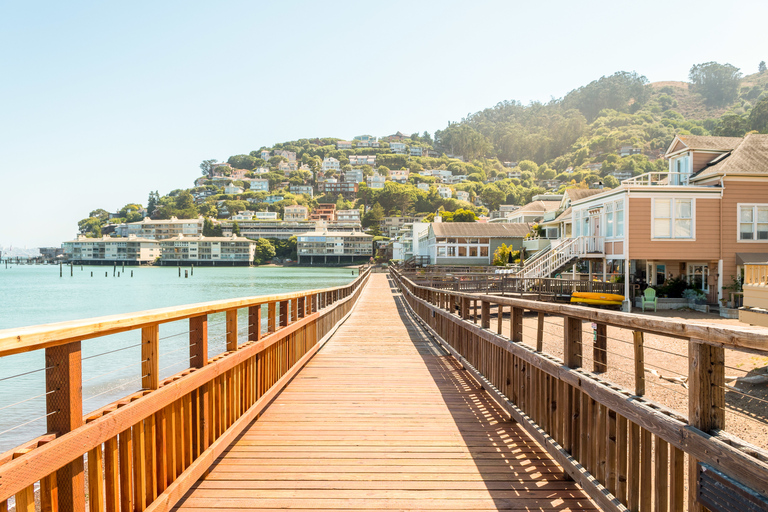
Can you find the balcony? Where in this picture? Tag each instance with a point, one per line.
(664, 179)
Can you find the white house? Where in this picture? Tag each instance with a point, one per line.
(362, 160)
(397, 147)
(376, 181)
(330, 164)
(259, 185)
(445, 192)
(302, 189)
(462, 195)
(423, 186)
(343, 144)
(400, 176)
(273, 199)
(232, 189)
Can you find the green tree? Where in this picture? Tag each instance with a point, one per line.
(265, 251)
(207, 167)
(761, 67)
(492, 197)
(154, 198)
(90, 226)
(102, 215)
(717, 83)
(462, 215)
(236, 228)
(610, 181)
(758, 117)
(373, 217)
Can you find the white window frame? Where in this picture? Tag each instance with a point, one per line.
(704, 275)
(671, 237)
(754, 207)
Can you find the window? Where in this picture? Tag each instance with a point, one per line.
(619, 213)
(484, 252)
(473, 252)
(609, 220)
(753, 222)
(673, 218)
(452, 251)
(462, 251)
(698, 276)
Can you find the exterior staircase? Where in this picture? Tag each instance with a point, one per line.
(546, 263)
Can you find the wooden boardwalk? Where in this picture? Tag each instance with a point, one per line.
(383, 419)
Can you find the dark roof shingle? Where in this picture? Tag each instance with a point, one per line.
(749, 157)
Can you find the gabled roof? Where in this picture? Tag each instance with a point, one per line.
(580, 193)
(750, 157)
(478, 229)
(538, 207)
(701, 142)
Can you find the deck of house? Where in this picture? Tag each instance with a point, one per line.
(382, 418)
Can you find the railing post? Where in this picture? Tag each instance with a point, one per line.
(150, 358)
(516, 325)
(231, 324)
(485, 314)
(254, 323)
(637, 337)
(284, 313)
(64, 404)
(301, 306)
(464, 308)
(294, 310)
(540, 332)
(600, 349)
(572, 338)
(271, 317)
(198, 341)
(706, 400)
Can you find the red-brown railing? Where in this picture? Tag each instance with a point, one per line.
(144, 451)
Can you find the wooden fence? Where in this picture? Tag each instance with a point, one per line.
(626, 451)
(504, 284)
(145, 451)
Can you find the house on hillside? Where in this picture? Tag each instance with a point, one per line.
(362, 160)
(535, 210)
(343, 144)
(397, 147)
(471, 243)
(330, 164)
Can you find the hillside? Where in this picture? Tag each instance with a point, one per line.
(614, 127)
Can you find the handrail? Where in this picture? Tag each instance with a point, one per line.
(143, 451)
(657, 178)
(603, 435)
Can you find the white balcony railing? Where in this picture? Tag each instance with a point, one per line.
(658, 179)
(591, 245)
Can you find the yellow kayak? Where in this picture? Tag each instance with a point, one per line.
(606, 299)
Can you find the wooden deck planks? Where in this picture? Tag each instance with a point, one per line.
(383, 419)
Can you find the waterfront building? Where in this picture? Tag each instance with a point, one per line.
(249, 215)
(275, 229)
(471, 243)
(207, 250)
(391, 226)
(161, 229)
(701, 220)
(130, 250)
(333, 247)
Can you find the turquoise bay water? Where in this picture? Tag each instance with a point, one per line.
(35, 294)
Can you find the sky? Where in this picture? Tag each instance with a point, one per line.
(102, 102)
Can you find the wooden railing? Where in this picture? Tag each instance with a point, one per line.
(756, 274)
(511, 285)
(626, 451)
(143, 452)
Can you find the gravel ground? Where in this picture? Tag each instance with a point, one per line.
(746, 404)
